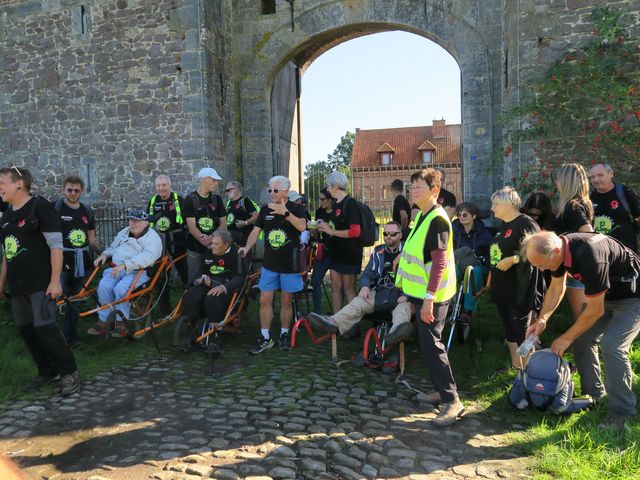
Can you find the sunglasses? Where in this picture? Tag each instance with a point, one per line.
(463, 214)
(229, 189)
(17, 170)
(275, 190)
(73, 190)
(390, 234)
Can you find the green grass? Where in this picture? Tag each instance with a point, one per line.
(571, 447)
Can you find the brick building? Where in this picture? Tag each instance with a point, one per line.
(381, 156)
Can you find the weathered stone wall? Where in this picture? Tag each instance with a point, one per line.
(536, 34)
(116, 90)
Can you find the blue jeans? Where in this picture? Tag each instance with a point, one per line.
(71, 285)
(320, 268)
(111, 289)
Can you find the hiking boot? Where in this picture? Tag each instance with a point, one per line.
(323, 322)
(398, 334)
(70, 384)
(614, 422)
(283, 342)
(99, 328)
(449, 413)
(432, 398)
(39, 382)
(119, 330)
(261, 345)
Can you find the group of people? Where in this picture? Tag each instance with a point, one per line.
(588, 244)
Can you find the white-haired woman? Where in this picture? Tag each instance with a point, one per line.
(575, 214)
(505, 280)
(344, 228)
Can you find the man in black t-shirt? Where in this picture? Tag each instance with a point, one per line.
(446, 198)
(31, 266)
(241, 213)
(610, 316)
(401, 207)
(78, 238)
(379, 273)
(167, 217)
(282, 222)
(616, 207)
(204, 213)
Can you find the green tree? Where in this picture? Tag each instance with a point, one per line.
(586, 108)
(316, 173)
(341, 156)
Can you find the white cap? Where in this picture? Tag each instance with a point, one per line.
(294, 196)
(209, 172)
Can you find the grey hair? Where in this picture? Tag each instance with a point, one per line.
(225, 236)
(282, 181)
(606, 166)
(162, 176)
(235, 184)
(507, 195)
(540, 242)
(338, 180)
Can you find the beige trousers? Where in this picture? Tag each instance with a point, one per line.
(357, 308)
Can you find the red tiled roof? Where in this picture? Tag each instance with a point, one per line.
(406, 143)
(385, 148)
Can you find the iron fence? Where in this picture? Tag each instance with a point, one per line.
(109, 220)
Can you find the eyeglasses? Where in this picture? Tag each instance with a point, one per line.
(275, 190)
(17, 170)
(73, 190)
(229, 189)
(390, 234)
(463, 214)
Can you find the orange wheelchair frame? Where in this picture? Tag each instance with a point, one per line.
(141, 297)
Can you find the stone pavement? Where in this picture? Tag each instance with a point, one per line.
(278, 415)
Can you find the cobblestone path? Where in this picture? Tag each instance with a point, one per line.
(278, 415)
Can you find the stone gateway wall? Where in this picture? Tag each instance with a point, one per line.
(122, 90)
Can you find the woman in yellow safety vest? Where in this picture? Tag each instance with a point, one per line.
(427, 277)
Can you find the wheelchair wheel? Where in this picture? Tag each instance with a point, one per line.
(463, 325)
(141, 315)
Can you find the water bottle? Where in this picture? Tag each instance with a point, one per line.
(527, 345)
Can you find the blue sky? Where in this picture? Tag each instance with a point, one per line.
(386, 80)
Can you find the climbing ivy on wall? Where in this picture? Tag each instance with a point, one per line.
(585, 108)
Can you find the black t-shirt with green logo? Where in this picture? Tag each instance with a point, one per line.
(207, 213)
(611, 218)
(75, 224)
(223, 269)
(165, 213)
(240, 209)
(25, 248)
(505, 244)
(281, 239)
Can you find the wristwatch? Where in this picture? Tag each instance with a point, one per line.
(287, 213)
(516, 259)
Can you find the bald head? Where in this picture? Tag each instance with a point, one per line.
(544, 250)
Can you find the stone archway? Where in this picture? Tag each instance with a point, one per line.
(315, 30)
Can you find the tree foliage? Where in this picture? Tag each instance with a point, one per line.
(586, 108)
(316, 173)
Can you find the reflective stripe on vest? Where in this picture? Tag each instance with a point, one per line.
(413, 274)
(176, 203)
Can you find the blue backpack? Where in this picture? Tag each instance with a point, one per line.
(545, 383)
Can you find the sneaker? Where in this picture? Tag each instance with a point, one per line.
(99, 328)
(449, 413)
(261, 345)
(39, 382)
(432, 398)
(70, 384)
(398, 334)
(323, 322)
(119, 330)
(614, 422)
(283, 342)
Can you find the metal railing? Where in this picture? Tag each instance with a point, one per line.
(109, 220)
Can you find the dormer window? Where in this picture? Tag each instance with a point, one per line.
(386, 152)
(427, 151)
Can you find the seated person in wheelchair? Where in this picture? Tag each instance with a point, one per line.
(471, 241)
(378, 274)
(211, 293)
(135, 248)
